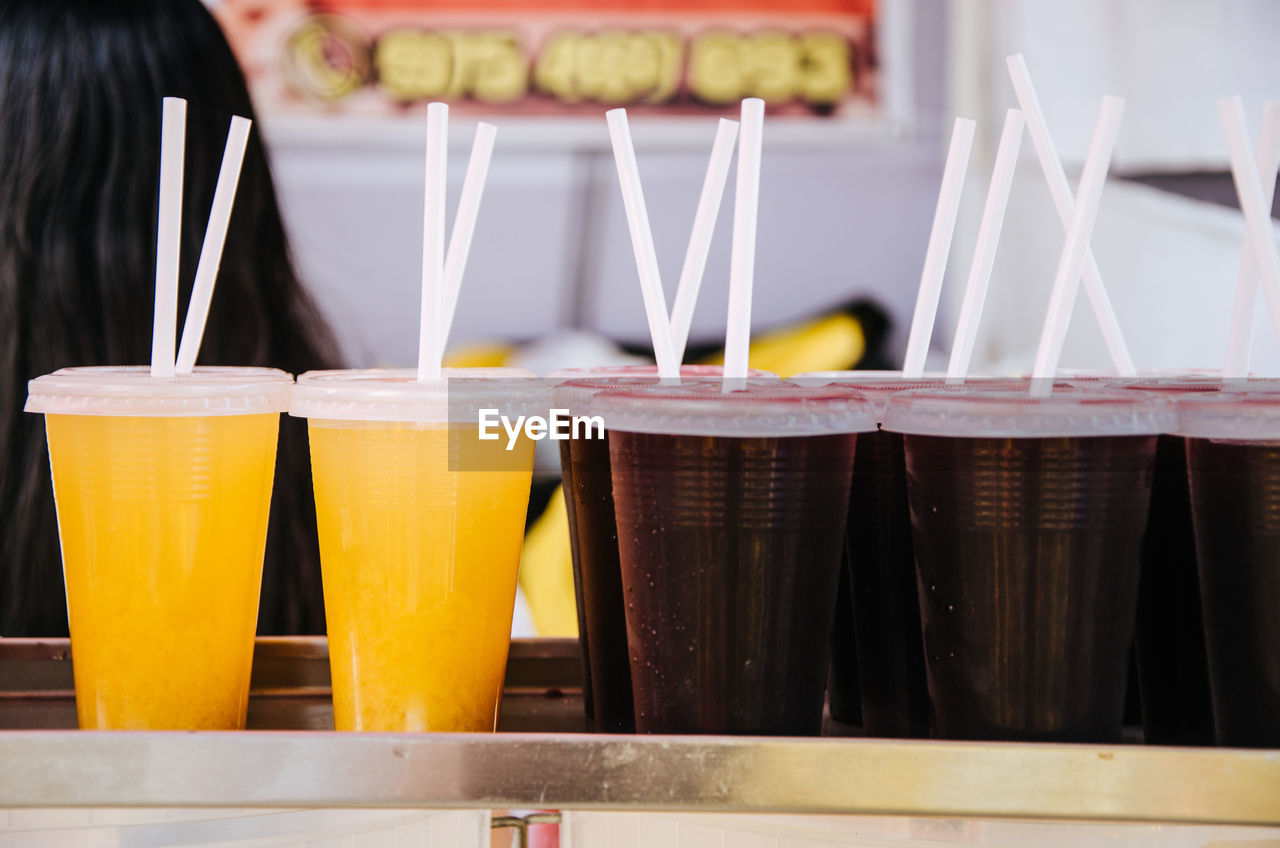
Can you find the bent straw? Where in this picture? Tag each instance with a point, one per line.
(984, 257)
(1075, 249)
(1240, 337)
(655, 304)
(464, 223)
(704, 224)
(1257, 217)
(935, 257)
(164, 327)
(430, 348)
(742, 262)
(1063, 201)
(215, 238)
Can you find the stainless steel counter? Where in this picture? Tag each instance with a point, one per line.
(538, 759)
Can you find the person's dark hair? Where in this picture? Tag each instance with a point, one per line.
(81, 83)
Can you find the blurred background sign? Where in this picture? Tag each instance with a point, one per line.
(813, 61)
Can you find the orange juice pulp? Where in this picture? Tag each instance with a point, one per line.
(419, 565)
(163, 524)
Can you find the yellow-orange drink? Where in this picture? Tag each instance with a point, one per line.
(163, 488)
(420, 527)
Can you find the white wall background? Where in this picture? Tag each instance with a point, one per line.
(1169, 263)
(552, 249)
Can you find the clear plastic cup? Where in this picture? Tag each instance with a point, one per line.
(593, 540)
(1233, 463)
(1170, 663)
(1028, 514)
(421, 524)
(730, 510)
(1172, 668)
(1169, 641)
(883, 664)
(163, 488)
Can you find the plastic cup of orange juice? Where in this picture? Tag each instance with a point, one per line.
(421, 525)
(163, 488)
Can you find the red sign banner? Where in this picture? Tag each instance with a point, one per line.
(558, 57)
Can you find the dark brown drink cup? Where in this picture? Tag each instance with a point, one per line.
(887, 665)
(844, 692)
(569, 487)
(1233, 463)
(730, 512)
(1172, 666)
(593, 541)
(1028, 513)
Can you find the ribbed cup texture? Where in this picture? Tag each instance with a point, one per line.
(886, 610)
(419, 564)
(163, 522)
(1173, 669)
(602, 625)
(1235, 500)
(1027, 555)
(730, 552)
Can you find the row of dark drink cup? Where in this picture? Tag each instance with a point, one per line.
(969, 562)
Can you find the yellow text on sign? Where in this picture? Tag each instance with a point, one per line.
(779, 67)
(414, 64)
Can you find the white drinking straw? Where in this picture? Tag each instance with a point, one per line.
(655, 304)
(430, 347)
(935, 256)
(464, 222)
(742, 262)
(1075, 249)
(1063, 201)
(704, 224)
(984, 256)
(1257, 216)
(164, 328)
(1240, 338)
(215, 238)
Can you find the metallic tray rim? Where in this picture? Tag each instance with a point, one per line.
(307, 769)
(582, 771)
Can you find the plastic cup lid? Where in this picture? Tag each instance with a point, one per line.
(1084, 374)
(983, 412)
(1182, 384)
(873, 380)
(396, 394)
(1107, 378)
(579, 385)
(1109, 374)
(132, 391)
(876, 385)
(1230, 415)
(759, 408)
(692, 371)
(1175, 382)
(576, 396)
(879, 386)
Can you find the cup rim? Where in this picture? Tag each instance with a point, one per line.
(755, 408)
(1002, 413)
(130, 390)
(690, 371)
(1230, 415)
(396, 394)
